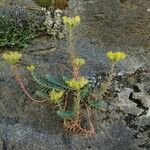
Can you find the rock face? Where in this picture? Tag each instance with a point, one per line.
(18, 3)
(106, 25)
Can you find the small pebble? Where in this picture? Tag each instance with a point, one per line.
(148, 10)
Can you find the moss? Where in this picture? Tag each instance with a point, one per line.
(44, 3)
(61, 4)
(13, 34)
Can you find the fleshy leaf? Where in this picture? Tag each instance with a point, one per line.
(84, 92)
(97, 104)
(41, 94)
(65, 114)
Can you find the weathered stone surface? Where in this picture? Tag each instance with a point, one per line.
(106, 25)
(20, 3)
(126, 103)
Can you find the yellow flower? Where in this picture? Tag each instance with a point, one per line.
(56, 95)
(65, 19)
(31, 68)
(79, 61)
(77, 83)
(116, 56)
(12, 57)
(71, 22)
(77, 19)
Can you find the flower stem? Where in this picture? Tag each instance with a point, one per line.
(59, 106)
(105, 86)
(110, 77)
(18, 78)
(77, 103)
(71, 44)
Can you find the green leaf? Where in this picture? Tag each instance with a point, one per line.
(56, 82)
(84, 92)
(44, 84)
(97, 104)
(14, 34)
(41, 94)
(65, 114)
(66, 78)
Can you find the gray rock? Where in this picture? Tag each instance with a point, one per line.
(20, 3)
(106, 25)
(126, 104)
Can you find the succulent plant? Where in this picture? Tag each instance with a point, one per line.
(44, 3)
(61, 4)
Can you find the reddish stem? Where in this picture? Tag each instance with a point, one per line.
(18, 78)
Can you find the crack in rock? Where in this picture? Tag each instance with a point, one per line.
(142, 99)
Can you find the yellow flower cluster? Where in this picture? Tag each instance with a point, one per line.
(56, 95)
(77, 83)
(12, 57)
(79, 62)
(71, 22)
(31, 68)
(116, 56)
